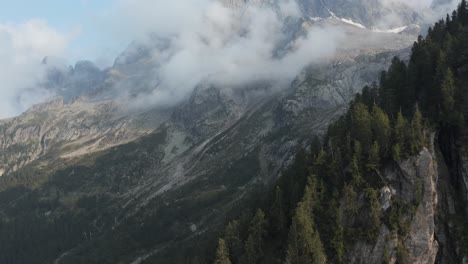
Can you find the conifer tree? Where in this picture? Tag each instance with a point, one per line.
(233, 240)
(374, 213)
(417, 133)
(394, 89)
(361, 127)
(396, 152)
(251, 254)
(448, 92)
(222, 253)
(373, 162)
(304, 244)
(462, 13)
(350, 200)
(381, 128)
(278, 211)
(338, 236)
(254, 244)
(357, 179)
(401, 132)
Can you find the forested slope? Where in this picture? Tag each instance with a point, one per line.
(382, 176)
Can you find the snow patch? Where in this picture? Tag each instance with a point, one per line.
(331, 13)
(349, 21)
(393, 30)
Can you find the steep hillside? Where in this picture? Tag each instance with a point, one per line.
(90, 178)
(388, 183)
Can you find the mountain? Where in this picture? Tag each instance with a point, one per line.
(369, 13)
(387, 184)
(90, 178)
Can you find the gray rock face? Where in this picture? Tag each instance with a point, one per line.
(69, 83)
(370, 13)
(57, 130)
(421, 243)
(411, 180)
(464, 180)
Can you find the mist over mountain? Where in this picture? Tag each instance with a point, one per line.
(335, 119)
(233, 43)
(255, 40)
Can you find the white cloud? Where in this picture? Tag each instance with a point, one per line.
(429, 10)
(22, 47)
(212, 43)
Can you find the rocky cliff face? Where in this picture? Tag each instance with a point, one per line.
(55, 130)
(412, 182)
(370, 13)
(452, 192)
(422, 185)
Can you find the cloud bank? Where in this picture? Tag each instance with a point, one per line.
(428, 11)
(195, 41)
(22, 47)
(207, 42)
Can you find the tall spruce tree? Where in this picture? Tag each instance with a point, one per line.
(278, 211)
(448, 92)
(338, 236)
(381, 128)
(373, 162)
(361, 125)
(304, 244)
(233, 240)
(401, 133)
(222, 253)
(417, 133)
(375, 214)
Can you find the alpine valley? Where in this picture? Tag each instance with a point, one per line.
(361, 156)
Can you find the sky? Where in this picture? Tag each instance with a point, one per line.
(77, 20)
(30, 30)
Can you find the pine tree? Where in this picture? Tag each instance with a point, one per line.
(462, 13)
(350, 200)
(396, 155)
(222, 253)
(374, 214)
(338, 236)
(381, 128)
(251, 254)
(373, 162)
(254, 244)
(233, 240)
(401, 132)
(361, 127)
(394, 89)
(304, 244)
(448, 92)
(294, 240)
(357, 179)
(417, 133)
(278, 211)
(257, 227)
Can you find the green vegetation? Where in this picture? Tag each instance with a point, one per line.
(319, 198)
(324, 202)
(222, 254)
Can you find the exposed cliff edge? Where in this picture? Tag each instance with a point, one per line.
(410, 181)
